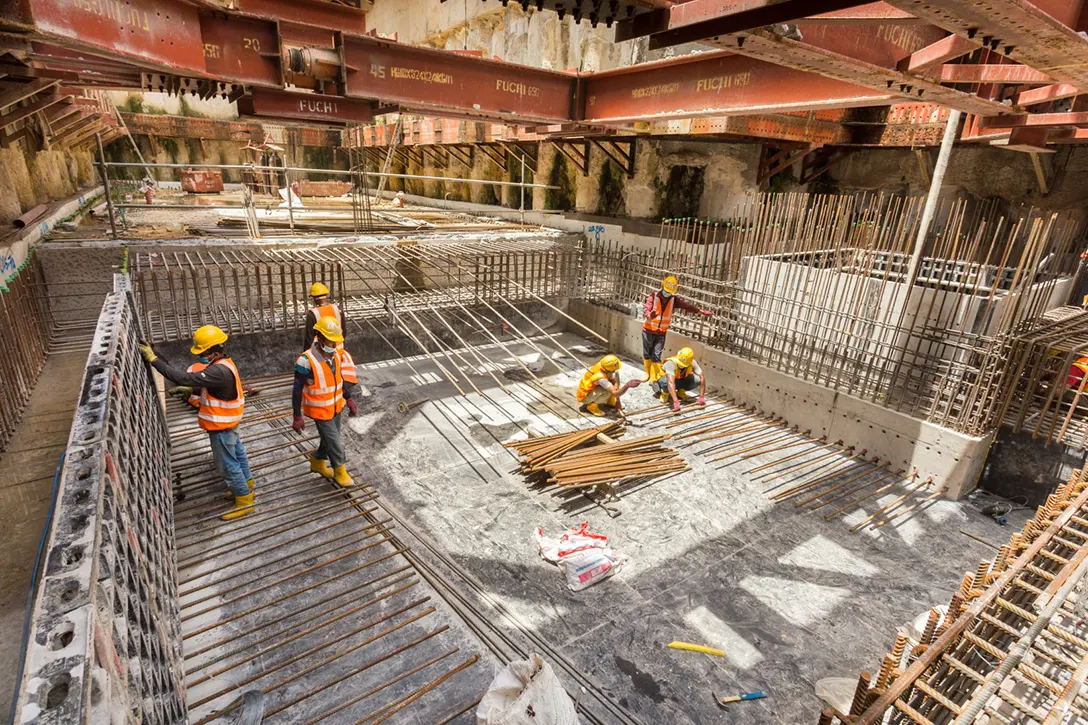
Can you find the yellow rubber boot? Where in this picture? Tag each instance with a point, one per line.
(648, 366)
(242, 506)
(320, 465)
(682, 395)
(343, 480)
(250, 483)
(594, 409)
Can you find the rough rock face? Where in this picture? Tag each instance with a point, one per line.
(29, 179)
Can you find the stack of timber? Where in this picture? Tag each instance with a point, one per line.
(591, 457)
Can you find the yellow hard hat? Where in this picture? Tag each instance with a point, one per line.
(611, 363)
(685, 357)
(670, 285)
(205, 337)
(329, 329)
(318, 290)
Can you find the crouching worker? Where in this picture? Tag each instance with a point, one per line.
(681, 376)
(601, 386)
(324, 380)
(220, 404)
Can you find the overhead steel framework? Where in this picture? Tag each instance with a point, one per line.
(1004, 61)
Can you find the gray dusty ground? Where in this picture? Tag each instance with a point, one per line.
(790, 597)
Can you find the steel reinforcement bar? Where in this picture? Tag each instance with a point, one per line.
(1013, 646)
(105, 636)
(25, 322)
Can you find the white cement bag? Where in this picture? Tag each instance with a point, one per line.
(583, 555)
(526, 692)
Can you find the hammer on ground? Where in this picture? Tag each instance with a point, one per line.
(405, 407)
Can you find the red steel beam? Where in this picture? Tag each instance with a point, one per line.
(695, 20)
(1035, 120)
(713, 84)
(947, 48)
(1025, 31)
(867, 14)
(164, 35)
(989, 73)
(305, 106)
(1055, 92)
(316, 13)
(426, 79)
(241, 50)
(835, 65)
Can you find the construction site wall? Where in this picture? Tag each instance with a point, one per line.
(31, 178)
(105, 634)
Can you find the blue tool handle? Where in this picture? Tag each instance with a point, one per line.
(753, 695)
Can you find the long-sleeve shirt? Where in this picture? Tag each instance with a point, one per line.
(304, 376)
(218, 379)
(679, 304)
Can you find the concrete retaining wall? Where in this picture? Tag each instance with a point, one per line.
(953, 459)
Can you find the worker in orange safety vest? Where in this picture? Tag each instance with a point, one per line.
(600, 385)
(221, 404)
(319, 296)
(325, 377)
(657, 313)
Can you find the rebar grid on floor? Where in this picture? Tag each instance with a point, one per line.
(815, 286)
(245, 291)
(308, 599)
(1013, 646)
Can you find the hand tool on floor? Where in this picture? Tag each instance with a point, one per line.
(405, 407)
(697, 648)
(727, 699)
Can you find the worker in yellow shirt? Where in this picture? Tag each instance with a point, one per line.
(680, 374)
(601, 386)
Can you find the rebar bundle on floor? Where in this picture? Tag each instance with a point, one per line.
(591, 458)
(25, 322)
(1013, 646)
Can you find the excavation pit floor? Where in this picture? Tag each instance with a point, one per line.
(789, 596)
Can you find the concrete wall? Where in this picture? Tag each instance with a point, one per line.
(29, 179)
(176, 151)
(528, 37)
(953, 459)
(140, 102)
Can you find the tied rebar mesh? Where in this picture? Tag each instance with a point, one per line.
(816, 286)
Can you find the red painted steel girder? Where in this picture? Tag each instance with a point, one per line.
(425, 79)
(947, 48)
(989, 73)
(1042, 35)
(714, 84)
(879, 12)
(312, 107)
(241, 50)
(1034, 120)
(834, 65)
(695, 20)
(1055, 92)
(315, 13)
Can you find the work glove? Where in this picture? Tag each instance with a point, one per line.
(676, 406)
(298, 424)
(701, 400)
(181, 391)
(708, 313)
(145, 349)
(353, 409)
(249, 390)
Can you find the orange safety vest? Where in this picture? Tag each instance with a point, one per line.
(194, 399)
(589, 380)
(216, 414)
(660, 316)
(329, 310)
(347, 366)
(323, 398)
(681, 371)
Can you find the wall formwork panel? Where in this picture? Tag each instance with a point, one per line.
(105, 639)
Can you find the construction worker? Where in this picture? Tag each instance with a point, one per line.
(221, 404)
(324, 380)
(680, 374)
(601, 386)
(319, 295)
(184, 391)
(657, 314)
